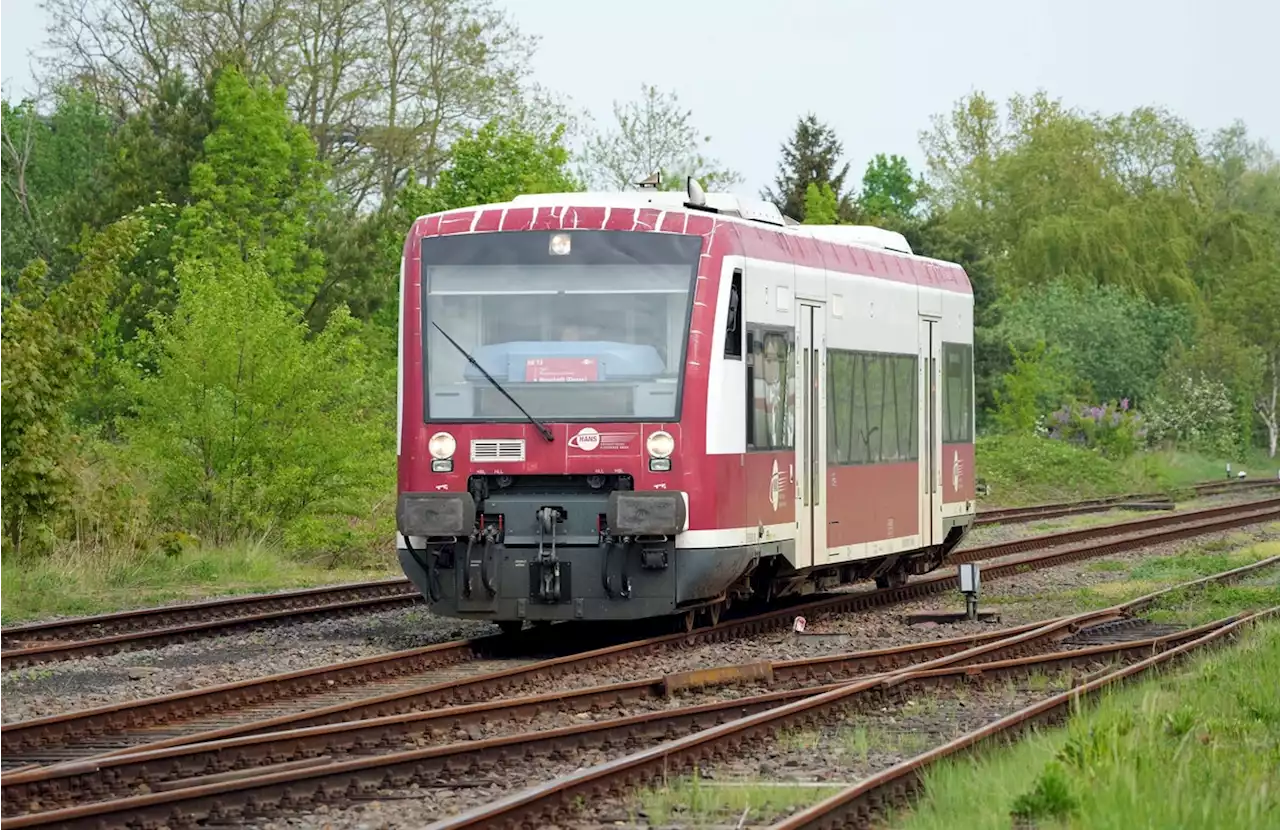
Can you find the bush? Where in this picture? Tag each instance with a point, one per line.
(1116, 430)
(1198, 413)
(248, 426)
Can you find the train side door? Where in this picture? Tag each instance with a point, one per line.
(811, 434)
(930, 437)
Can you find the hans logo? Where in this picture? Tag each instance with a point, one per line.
(955, 471)
(586, 440)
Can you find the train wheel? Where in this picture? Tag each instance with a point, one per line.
(690, 621)
(891, 580)
(713, 613)
(511, 627)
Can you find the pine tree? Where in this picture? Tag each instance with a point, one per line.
(810, 157)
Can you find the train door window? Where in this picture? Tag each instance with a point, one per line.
(733, 319)
(771, 389)
(957, 393)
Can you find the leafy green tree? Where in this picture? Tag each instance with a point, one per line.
(654, 134)
(1038, 382)
(256, 190)
(889, 189)
(51, 167)
(47, 344)
(249, 425)
(1113, 341)
(811, 156)
(500, 161)
(821, 206)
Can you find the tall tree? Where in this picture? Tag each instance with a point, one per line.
(47, 343)
(889, 189)
(812, 156)
(50, 165)
(257, 190)
(383, 86)
(821, 207)
(654, 134)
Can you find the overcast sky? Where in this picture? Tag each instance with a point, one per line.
(874, 69)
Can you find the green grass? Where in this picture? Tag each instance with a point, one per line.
(1131, 580)
(1198, 747)
(76, 583)
(689, 801)
(1028, 470)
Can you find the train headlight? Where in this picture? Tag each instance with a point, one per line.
(660, 444)
(442, 446)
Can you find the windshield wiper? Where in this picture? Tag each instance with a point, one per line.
(542, 428)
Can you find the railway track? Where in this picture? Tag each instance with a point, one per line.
(862, 804)
(468, 671)
(135, 772)
(37, 643)
(1155, 501)
(27, 645)
(218, 782)
(556, 800)
(402, 681)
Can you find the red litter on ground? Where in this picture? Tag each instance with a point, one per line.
(799, 625)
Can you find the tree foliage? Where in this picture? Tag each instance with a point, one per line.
(889, 190)
(653, 134)
(821, 206)
(256, 189)
(247, 424)
(47, 340)
(382, 86)
(810, 157)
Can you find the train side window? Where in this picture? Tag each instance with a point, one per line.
(957, 393)
(872, 406)
(733, 319)
(771, 389)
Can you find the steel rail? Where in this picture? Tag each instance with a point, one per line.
(554, 798)
(43, 642)
(304, 757)
(1014, 515)
(167, 616)
(49, 652)
(863, 803)
(524, 678)
(344, 737)
(220, 796)
(24, 737)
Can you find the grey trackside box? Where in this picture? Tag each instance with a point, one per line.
(435, 514)
(645, 513)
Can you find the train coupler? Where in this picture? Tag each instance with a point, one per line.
(548, 563)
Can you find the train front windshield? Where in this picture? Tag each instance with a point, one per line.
(578, 325)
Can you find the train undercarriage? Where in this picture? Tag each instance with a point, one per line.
(541, 549)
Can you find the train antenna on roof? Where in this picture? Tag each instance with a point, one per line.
(652, 182)
(697, 196)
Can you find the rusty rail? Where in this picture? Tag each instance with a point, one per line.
(1013, 515)
(24, 737)
(233, 795)
(861, 804)
(35, 643)
(304, 772)
(551, 800)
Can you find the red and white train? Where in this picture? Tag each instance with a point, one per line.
(614, 406)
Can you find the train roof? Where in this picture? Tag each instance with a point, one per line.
(729, 206)
(722, 206)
